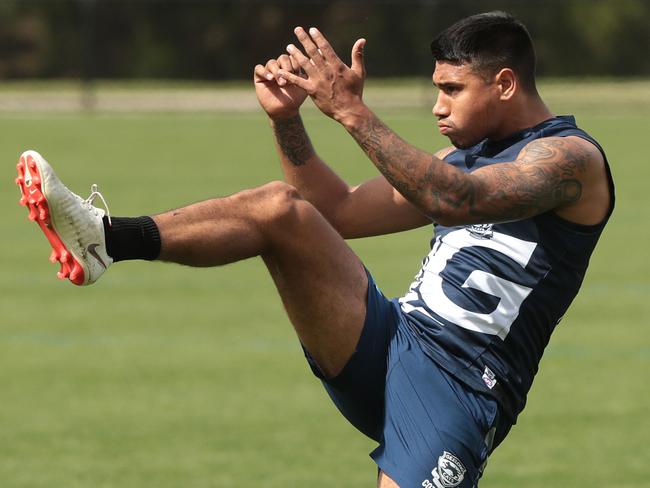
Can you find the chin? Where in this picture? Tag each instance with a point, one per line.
(461, 144)
(464, 143)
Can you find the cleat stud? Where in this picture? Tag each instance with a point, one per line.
(65, 255)
(65, 272)
(77, 274)
(22, 201)
(42, 213)
(19, 180)
(54, 256)
(32, 214)
(36, 180)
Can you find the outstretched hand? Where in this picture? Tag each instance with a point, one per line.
(278, 98)
(335, 88)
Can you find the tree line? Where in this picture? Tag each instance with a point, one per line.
(218, 39)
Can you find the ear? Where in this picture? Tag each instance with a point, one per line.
(506, 83)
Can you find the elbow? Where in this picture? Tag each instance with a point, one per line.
(444, 214)
(346, 229)
(454, 205)
(447, 220)
(444, 221)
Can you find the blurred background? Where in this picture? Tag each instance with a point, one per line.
(205, 41)
(165, 376)
(221, 40)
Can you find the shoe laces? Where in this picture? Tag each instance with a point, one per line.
(94, 193)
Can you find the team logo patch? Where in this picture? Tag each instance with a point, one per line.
(481, 231)
(449, 473)
(489, 378)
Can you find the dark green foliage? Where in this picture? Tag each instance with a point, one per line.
(201, 39)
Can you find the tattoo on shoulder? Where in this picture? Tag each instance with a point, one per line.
(563, 161)
(547, 174)
(569, 155)
(293, 140)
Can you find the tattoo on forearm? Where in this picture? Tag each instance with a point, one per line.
(399, 162)
(547, 174)
(293, 140)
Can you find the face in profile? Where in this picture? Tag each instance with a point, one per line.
(467, 103)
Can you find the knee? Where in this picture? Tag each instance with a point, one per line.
(279, 204)
(280, 193)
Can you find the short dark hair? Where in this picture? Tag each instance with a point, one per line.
(490, 42)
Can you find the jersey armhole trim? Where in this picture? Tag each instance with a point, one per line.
(588, 229)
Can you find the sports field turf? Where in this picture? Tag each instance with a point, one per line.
(163, 376)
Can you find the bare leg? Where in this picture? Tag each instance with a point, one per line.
(385, 482)
(322, 283)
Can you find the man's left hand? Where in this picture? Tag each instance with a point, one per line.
(335, 88)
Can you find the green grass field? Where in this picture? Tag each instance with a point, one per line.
(164, 376)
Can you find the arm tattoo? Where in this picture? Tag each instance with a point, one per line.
(293, 140)
(401, 164)
(547, 174)
(426, 181)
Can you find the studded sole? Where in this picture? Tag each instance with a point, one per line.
(30, 182)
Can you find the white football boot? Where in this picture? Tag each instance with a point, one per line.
(72, 225)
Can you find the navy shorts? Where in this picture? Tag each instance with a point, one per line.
(432, 430)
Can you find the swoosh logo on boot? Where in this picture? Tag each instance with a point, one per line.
(91, 250)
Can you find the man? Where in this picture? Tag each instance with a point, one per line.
(439, 376)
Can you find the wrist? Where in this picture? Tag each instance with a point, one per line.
(353, 115)
(284, 115)
(292, 140)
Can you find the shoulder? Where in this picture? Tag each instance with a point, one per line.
(569, 151)
(576, 167)
(443, 153)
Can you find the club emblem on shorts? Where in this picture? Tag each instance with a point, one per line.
(450, 471)
(481, 231)
(489, 378)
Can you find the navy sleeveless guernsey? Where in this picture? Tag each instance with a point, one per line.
(488, 297)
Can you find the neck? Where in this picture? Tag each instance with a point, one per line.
(526, 111)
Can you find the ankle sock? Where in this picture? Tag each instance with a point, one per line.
(132, 238)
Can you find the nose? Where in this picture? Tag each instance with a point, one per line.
(441, 107)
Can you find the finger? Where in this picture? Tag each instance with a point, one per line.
(310, 48)
(295, 68)
(295, 80)
(260, 73)
(324, 47)
(284, 62)
(358, 64)
(303, 61)
(273, 65)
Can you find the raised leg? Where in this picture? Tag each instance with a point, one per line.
(322, 283)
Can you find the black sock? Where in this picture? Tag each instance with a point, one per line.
(132, 238)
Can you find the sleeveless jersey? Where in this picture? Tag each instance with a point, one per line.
(488, 297)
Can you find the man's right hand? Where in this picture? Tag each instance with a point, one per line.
(278, 98)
